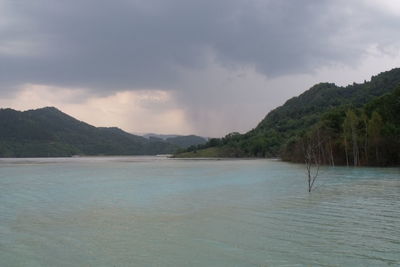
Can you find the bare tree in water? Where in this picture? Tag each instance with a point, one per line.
(312, 158)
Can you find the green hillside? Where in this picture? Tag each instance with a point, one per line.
(50, 132)
(290, 123)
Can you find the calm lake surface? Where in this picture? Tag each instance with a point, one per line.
(153, 211)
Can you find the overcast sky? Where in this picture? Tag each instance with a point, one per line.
(206, 67)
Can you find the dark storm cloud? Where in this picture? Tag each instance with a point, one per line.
(119, 44)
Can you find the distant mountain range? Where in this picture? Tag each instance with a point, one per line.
(183, 141)
(160, 136)
(48, 132)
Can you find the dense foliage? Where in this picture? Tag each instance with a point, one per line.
(357, 124)
(369, 135)
(50, 132)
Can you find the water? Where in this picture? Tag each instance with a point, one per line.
(152, 211)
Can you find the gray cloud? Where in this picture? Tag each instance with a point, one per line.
(113, 45)
(197, 49)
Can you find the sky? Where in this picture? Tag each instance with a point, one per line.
(206, 67)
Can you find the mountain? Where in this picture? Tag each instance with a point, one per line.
(186, 141)
(159, 136)
(50, 132)
(182, 141)
(324, 107)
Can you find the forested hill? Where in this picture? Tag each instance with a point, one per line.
(307, 107)
(50, 132)
(326, 107)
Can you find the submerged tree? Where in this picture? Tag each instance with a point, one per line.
(350, 134)
(375, 130)
(364, 137)
(312, 158)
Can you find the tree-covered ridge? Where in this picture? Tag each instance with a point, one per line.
(365, 136)
(50, 132)
(283, 127)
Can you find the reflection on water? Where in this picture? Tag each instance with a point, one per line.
(152, 211)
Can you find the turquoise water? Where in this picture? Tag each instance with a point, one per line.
(153, 211)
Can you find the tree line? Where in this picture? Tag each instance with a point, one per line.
(367, 136)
